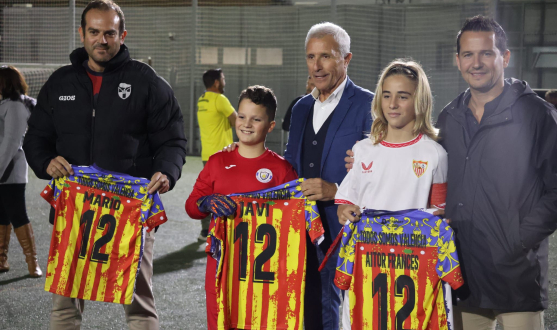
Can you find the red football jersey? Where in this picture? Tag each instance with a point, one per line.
(229, 173)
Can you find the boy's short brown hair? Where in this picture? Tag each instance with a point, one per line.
(263, 96)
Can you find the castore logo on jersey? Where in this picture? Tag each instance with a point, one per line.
(124, 90)
(67, 98)
(264, 175)
(367, 169)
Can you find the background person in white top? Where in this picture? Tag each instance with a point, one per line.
(400, 166)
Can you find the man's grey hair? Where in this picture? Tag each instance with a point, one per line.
(327, 28)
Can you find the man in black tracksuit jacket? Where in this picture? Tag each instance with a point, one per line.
(108, 109)
(139, 135)
(502, 186)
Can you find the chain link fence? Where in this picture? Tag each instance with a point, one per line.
(262, 42)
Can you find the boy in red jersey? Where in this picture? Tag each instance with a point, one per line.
(249, 167)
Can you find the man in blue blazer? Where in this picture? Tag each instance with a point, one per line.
(324, 124)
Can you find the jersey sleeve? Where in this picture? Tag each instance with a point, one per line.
(448, 266)
(216, 242)
(347, 192)
(440, 173)
(290, 174)
(346, 255)
(223, 106)
(285, 171)
(438, 191)
(203, 187)
(156, 215)
(314, 226)
(52, 191)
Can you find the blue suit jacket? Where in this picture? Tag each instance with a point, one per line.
(350, 123)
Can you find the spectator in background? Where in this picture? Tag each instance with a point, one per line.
(551, 97)
(286, 121)
(15, 109)
(216, 117)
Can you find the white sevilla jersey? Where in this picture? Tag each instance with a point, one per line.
(394, 176)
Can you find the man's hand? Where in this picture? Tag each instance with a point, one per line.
(348, 212)
(159, 182)
(59, 167)
(230, 147)
(349, 159)
(219, 205)
(318, 189)
(441, 214)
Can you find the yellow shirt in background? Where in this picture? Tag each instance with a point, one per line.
(213, 110)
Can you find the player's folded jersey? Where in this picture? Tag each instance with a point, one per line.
(97, 239)
(393, 264)
(261, 255)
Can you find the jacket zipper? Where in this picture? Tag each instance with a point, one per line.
(92, 138)
(92, 124)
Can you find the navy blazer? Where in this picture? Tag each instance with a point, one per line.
(350, 123)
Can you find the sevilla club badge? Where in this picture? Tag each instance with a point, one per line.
(419, 167)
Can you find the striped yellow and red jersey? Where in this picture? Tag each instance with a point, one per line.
(393, 264)
(261, 255)
(97, 239)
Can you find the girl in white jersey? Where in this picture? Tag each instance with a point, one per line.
(400, 166)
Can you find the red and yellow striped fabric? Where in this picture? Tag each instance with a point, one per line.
(97, 241)
(413, 297)
(261, 273)
(393, 264)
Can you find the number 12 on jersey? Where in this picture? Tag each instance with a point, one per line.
(261, 258)
(265, 236)
(106, 221)
(404, 288)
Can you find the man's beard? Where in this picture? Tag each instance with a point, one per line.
(101, 61)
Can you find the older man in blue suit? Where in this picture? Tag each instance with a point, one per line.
(326, 123)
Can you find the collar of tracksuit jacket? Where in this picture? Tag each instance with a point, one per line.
(518, 88)
(80, 54)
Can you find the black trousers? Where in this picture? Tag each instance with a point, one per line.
(12, 205)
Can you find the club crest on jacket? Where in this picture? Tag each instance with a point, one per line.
(124, 90)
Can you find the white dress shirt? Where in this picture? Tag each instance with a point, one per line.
(322, 110)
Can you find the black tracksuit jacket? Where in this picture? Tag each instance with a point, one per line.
(137, 129)
(502, 198)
